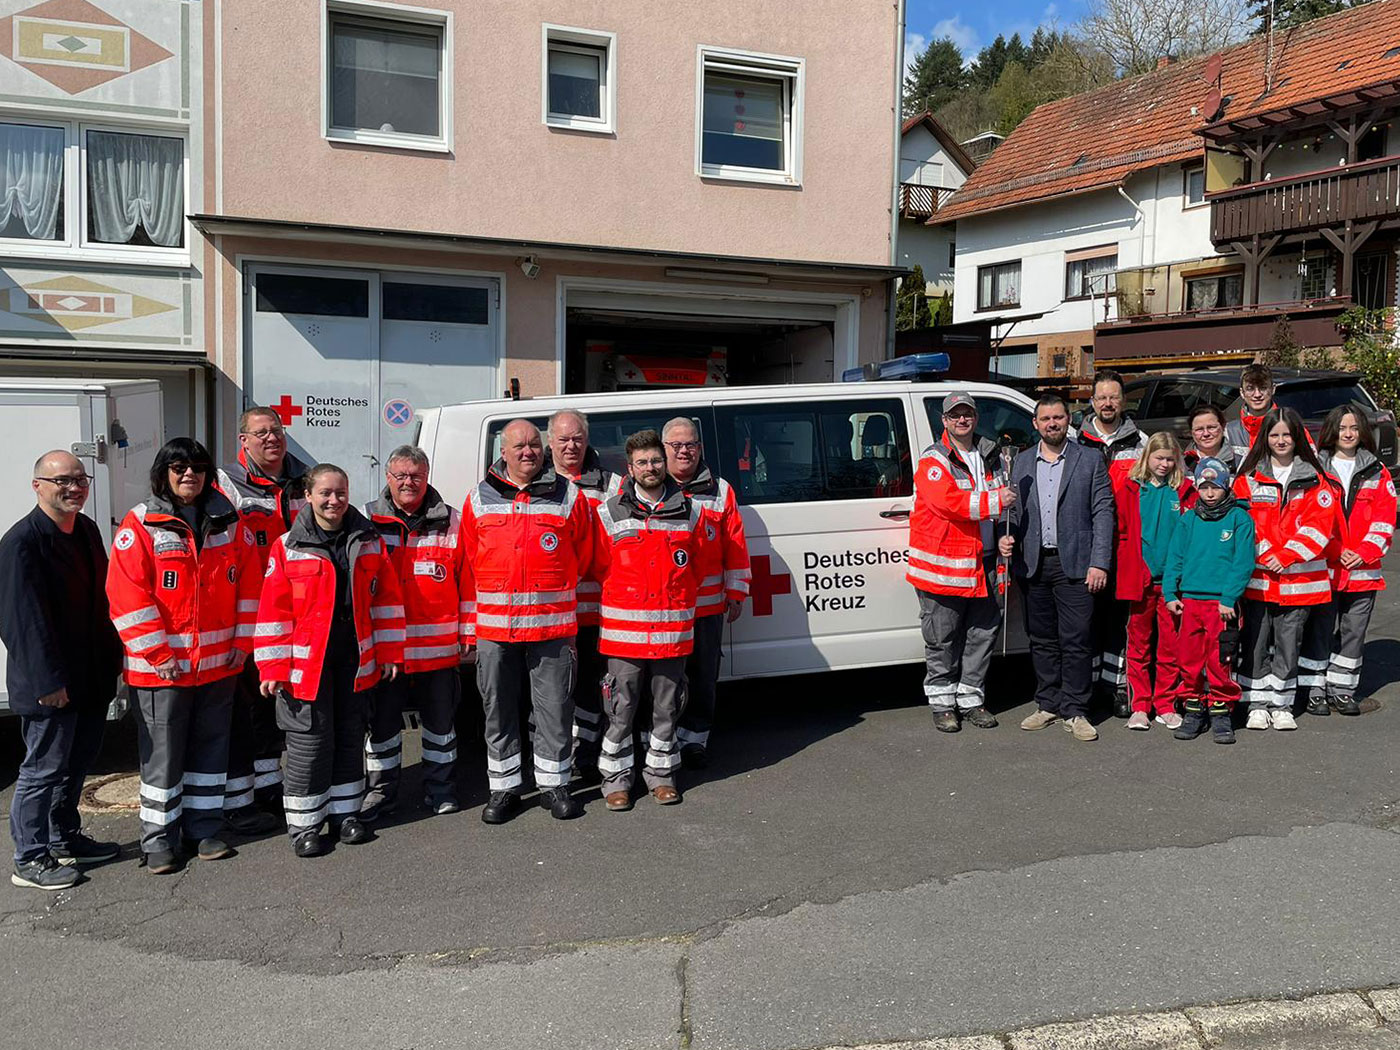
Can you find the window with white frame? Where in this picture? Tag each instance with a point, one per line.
(999, 285)
(388, 75)
(578, 88)
(1194, 185)
(749, 119)
(71, 188)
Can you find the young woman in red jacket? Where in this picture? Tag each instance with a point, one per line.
(1293, 506)
(1149, 508)
(330, 625)
(1330, 667)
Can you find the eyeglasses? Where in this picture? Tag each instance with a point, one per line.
(264, 435)
(683, 446)
(82, 481)
(181, 468)
(404, 479)
(572, 439)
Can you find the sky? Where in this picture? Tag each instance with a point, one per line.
(974, 25)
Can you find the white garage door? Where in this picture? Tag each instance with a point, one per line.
(347, 357)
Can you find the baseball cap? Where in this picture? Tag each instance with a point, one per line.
(1211, 471)
(952, 401)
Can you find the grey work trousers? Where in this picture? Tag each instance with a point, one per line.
(1333, 644)
(1110, 642)
(435, 694)
(182, 739)
(631, 687)
(959, 636)
(503, 670)
(588, 699)
(59, 746)
(702, 678)
(325, 775)
(254, 747)
(1270, 644)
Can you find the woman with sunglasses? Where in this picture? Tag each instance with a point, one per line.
(182, 587)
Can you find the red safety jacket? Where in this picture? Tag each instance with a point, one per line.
(650, 560)
(596, 484)
(169, 601)
(1120, 451)
(268, 505)
(947, 541)
(1365, 523)
(1294, 525)
(527, 548)
(724, 554)
(298, 606)
(1132, 576)
(432, 572)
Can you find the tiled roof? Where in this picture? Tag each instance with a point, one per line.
(1096, 140)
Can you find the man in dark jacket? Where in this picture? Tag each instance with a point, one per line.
(63, 658)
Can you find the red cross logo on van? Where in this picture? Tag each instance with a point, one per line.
(765, 584)
(286, 411)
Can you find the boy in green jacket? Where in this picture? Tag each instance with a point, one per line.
(1208, 567)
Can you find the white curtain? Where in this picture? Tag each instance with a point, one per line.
(32, 163)
(136, 180)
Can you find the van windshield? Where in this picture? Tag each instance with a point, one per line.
(1315, 400)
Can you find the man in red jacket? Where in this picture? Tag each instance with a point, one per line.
(528, 536)
(959, 492)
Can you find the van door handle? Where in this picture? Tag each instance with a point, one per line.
(895, 512)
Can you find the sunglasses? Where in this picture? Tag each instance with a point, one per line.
(180, 468)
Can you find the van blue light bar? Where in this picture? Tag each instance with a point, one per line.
(915, 366)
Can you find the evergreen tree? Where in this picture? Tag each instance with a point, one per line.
(1290, 13)
(935, 77)
(911, 302)
(990, 61)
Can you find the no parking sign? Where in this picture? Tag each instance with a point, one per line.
(398, 413)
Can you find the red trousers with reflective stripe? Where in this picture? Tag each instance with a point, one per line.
(1203, 675)
(1153, 674)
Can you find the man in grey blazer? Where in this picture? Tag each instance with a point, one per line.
(1061, 548)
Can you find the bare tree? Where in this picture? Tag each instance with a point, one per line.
(1135, 35)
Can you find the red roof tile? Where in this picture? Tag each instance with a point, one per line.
(1096, 140)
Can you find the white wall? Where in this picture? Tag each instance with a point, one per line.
(927, 246)
(919, 147)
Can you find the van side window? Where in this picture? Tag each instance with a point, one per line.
(809, 452)
(995, 418)
(608, 432)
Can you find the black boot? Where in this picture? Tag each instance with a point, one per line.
(1221, 726)
(1193, 720)
(1346, 705)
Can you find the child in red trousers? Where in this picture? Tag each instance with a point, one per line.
(1208, 567)
(1149, 508)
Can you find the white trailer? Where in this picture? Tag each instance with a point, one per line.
(113, 426)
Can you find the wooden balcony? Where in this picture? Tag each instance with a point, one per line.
(920, 202)
(1326, 199)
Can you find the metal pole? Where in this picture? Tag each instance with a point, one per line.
(1004, 562)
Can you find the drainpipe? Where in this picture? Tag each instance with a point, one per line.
(898, 102)
(1142, 216)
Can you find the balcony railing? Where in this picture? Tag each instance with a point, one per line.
(920, 202)
(1359, 192)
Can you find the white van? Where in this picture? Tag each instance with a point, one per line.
(824, 475)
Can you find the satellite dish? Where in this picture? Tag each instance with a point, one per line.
(1211, 73)
(1213, 103)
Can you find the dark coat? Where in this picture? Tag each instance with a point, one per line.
(1085, 516)
(42, 654)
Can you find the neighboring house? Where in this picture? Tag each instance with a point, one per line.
(1178, 215)
(102, 158)
(980, 147)
(425, 204)
(931, 166)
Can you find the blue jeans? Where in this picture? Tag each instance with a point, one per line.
(58, 749)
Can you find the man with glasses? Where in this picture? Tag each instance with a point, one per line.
(422, 534)
(265, 484)
(723, 556)
(575, 459)
(63, 658)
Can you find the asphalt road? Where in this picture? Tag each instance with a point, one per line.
(842, 874)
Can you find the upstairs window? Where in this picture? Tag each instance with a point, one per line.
(32, 162)
(579, 79)
(388, 76)
(998, 286)
(749, 124)
(1091, 272)
(1212, 293)
(135, 190)
(1194, 185)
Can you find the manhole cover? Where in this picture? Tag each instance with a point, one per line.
(114, 791)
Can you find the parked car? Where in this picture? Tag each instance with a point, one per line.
(1164, 402)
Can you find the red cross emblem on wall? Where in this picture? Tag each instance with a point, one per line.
(286, 411)
(765, 584)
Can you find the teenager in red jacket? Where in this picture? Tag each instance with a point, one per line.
(1365, 526)
(960, 491)
(422, 534)
(1293, 506)
(182, 589)
(649, 559)
(330, 626)
(1149, 510)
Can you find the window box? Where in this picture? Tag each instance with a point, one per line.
(999, 286)
(388, 75)
(578, 79)
(748, 116)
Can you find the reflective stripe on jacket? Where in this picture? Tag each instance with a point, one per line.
(431, 569)
(1365, 523)
(650, 560)
(724, 555)
(527, 548)
(596, 485)
(946, 542)
(298, 607)
(1294, 525)
(170, 601)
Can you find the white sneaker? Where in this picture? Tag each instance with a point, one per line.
(1171, 720)
(1258, 719)
(1282, 718)
(1139, 720)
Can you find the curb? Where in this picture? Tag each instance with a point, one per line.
(1259, 1023)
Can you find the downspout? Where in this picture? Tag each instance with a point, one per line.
(1143, 217)
(898, 109)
